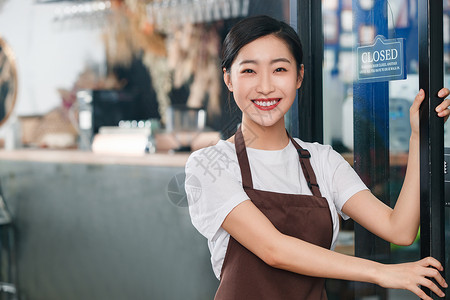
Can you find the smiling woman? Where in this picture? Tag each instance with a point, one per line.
(269, 204)
(8, 81)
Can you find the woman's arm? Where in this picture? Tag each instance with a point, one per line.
(399, 225)
(250, 227)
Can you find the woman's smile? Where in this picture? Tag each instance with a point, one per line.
(266, 104)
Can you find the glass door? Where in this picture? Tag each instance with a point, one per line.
(366, 118)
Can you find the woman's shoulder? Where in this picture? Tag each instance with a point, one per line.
(220, 155)
(222, 147)
(321, 153)
(314, 146)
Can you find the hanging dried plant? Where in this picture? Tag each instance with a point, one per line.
(161, 79)
(128, 33)
(182, 53)
(193, 53)
(119, 43)
(144, 32)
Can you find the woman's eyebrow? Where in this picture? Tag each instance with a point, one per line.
(247, 61)
(281, 59)
(273, 61)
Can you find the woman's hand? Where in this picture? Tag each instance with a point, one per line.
(410, 276)
(442, 109)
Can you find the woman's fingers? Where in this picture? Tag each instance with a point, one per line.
(443, 108)
(420, 293)
(417, 101)
(430, 269)
(432, 286)
(425, 282)
(431, 262)
(414, 112)
(433, 273)
(411, 276)
(444, 92)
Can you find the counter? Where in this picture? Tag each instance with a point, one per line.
(87, 157)
(91, 226)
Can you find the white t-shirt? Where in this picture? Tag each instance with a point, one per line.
(214, 185)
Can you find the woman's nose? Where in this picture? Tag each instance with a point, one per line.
(265, 84)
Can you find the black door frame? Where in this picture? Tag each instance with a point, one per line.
(431, 79)
(310, 100)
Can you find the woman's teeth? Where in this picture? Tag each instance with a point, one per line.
(265, 103)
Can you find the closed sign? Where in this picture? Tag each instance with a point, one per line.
(384, 60)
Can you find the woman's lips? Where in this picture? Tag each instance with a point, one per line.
(266, 104)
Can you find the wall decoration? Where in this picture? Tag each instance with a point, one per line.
(8, 81)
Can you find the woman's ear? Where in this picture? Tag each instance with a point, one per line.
(301, 72)
(227, 79)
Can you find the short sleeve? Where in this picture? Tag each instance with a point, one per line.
(343, 181)
(213, 187)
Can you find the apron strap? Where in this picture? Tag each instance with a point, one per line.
(307, 169)
(241, 153)
(246, 173)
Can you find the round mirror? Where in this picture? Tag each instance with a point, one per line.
(8, 81)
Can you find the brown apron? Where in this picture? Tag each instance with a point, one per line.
(245, 276)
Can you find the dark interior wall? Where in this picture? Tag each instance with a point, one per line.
(103, 232)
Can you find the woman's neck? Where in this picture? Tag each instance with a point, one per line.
(265, 137)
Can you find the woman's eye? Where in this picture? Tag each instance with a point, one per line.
(248, 71)
(280, 70)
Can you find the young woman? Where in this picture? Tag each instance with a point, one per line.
(268, 204)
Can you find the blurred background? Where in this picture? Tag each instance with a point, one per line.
(101, 103)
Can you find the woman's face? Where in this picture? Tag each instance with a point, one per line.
(264, 80)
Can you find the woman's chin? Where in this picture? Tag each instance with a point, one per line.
(267, 122)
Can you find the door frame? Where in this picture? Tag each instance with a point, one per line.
(310, 97)
(431, 80)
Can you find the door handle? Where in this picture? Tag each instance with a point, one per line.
(447, 176)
